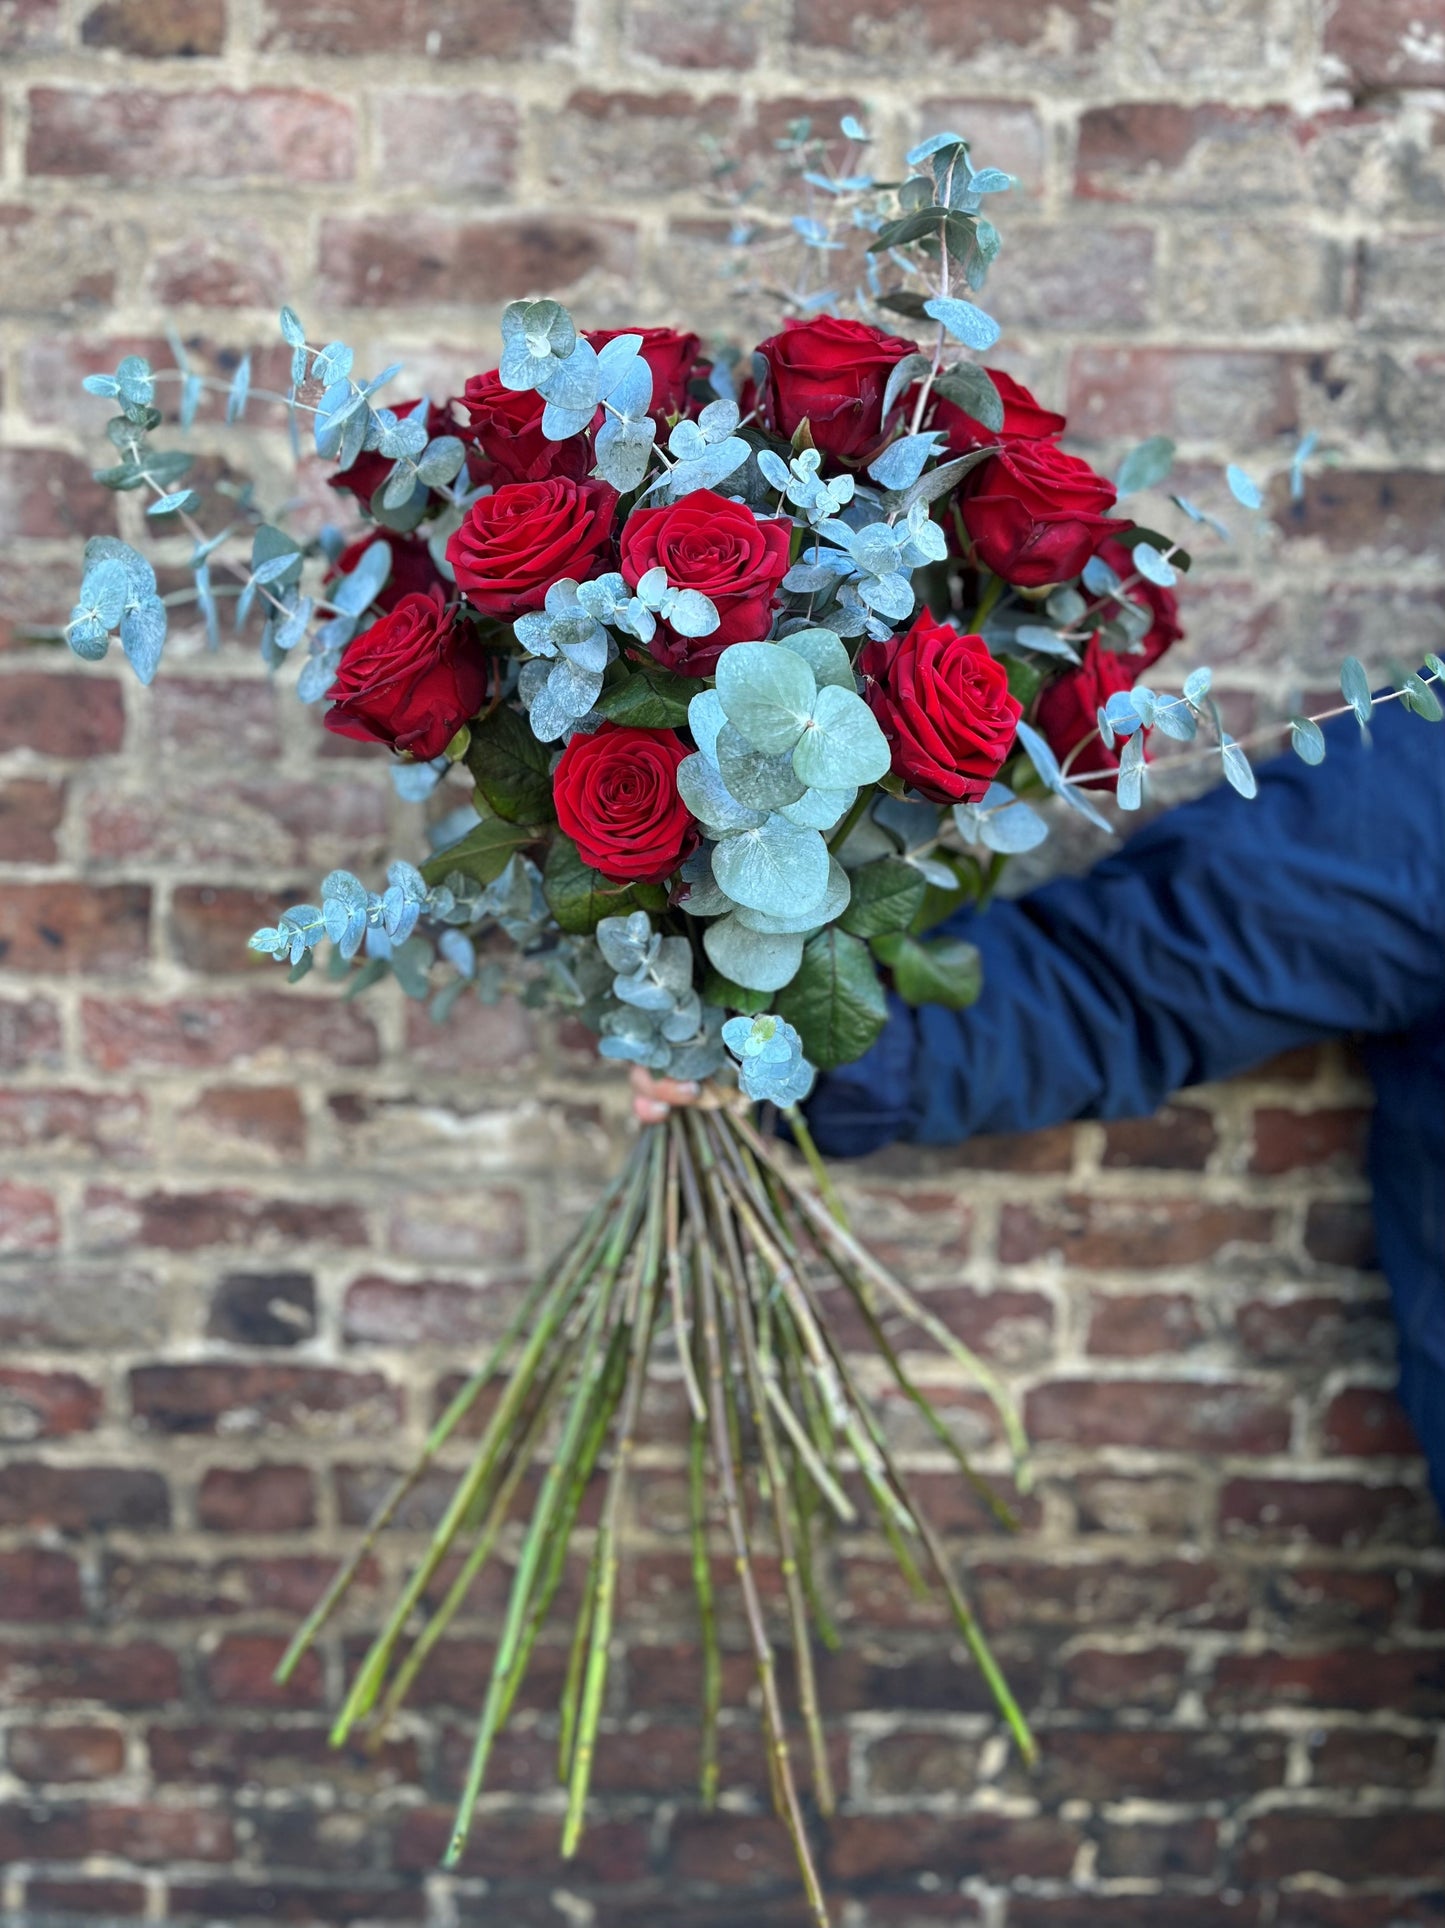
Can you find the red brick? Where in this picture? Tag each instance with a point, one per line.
(1136, 1325)
(1058, 34)
(1110, 1910)
(60, 263)
(191, 1221)
(476, 1037)
(82, 1499)
(263, 1308)
(1048, 273)
(1345, 1847)
(89, 1900)
(1129, 1233)
(514, 1847)
(299, 1901)
(37, 1583)
(57, 1302)
(29, 1034)
(910, 1764)
(658, 140)
(256, 1499)
(1178, 1415)
(209, 718)
(423, 1312)
(52, 496)
(1234, 395)
(140, 1673)
(1210, 155)
(1156, 1764)
(201, 1033)
(274, 1757)
(1078, 1595)
(1288, 1141)
(170, 29)
(66, 1753)
(240, 1671)
(177, 1589)
(1329, 1603)
(1388, 514)
(141, 134)
(1166, 1505)
(471, 142)
(993, 1847)
(210, 925)
(1385, 43)
(446, 30)
(710, 34)
(1313, 1333)
(1365, 1420)
(74, 713)
(1350, 1908)
(151, 1836)
(369, 261)
(234, 1399)
(45, 1405)
(68, 927)
(1406, 1680)
(265, 825)
(1340, 1233)
(240, 268)
(1098, 1677)
(1355, 1757)
(1183, 1849)
(109, 1124)
(29, 1217)
(30, 26)
(489, 1228)
(1178, 1138)
(1334, 1512)
(255, 1121)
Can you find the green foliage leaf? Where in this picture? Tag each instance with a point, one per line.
(482, 855)
(887, 896)
(1355, 685)
(728, 996)
(650, 699)
(1146, 466)
(835, 1003)
(971, 388)
(760, 960)
(579, 897)
(511, 767)
(938, 970)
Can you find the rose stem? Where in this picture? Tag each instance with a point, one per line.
(785, 1788)
(707, 1614)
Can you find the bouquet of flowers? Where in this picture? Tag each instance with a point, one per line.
(756, 673)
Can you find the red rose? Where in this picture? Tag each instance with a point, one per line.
(1068, 710)
(370, 469)
(1035, 514)
(616, 798)
(834, 373)
(506, 427)
(411, 680)
(1166, 629)
(515, 544)
(944, 704)
(721, 548)
(1024, 419)
(673, 359)
(413, 573)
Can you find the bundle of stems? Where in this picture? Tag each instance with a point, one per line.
(708, 1226)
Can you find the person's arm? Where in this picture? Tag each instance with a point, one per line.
(1226, 932)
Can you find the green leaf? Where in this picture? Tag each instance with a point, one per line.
(1417, 695)
(482, 855)
(1025, 679)
(650, 699)
(772, 868)
(1307, 739)
(971, 388)
(835, 1002)
(1355, 685)
(761, 960)
(721, 991)
(511, 767)
(939, 970)
(887, 896)
(938, 904)
(1146, 466)
(824, 654)
(579, 897)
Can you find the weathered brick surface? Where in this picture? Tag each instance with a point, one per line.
(250, 1237)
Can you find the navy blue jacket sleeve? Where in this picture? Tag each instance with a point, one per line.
(1227, 931)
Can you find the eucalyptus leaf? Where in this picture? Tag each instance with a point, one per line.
(755, 960)
(964, 322)
(773, 867)
(767, 694)
(842, 744)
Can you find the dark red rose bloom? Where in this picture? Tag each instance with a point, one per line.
(1068, 710)
(1167, 629)
(1024, 419)
(944, 704)
(616, 797)
(515, 544)
(370, 470)
(1035, 514)
(411, 680)
(673, 359)
(834, 373)
(506, 433)
(721, 548)
(413, 573)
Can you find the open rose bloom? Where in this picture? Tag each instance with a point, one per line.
(722, 697)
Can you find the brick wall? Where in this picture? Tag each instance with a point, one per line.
(245, 1233)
